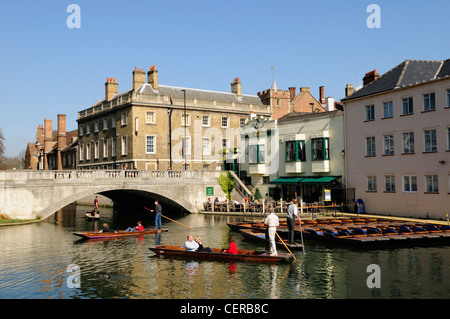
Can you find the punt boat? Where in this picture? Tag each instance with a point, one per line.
(217, 254)
(119, 233)
(260, 236)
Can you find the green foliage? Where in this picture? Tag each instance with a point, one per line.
(227, 183)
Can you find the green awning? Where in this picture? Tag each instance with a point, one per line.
(317, 180)
(303, 180)
(286, 180)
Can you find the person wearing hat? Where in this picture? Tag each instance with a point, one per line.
(290, 217)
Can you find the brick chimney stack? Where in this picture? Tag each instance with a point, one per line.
(153, 77)
(292, 93)
(138, 78)
(61, 138)
(40, 135)
(322, 95)
(47, 140)
(111, 88)
(370, 77)
(236, 87)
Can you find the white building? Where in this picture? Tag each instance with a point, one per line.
(397, 130)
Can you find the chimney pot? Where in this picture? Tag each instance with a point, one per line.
(236, 87)
(152, 76)
(370, 77)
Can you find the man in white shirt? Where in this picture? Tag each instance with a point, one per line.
(272, 222)
(190, 244)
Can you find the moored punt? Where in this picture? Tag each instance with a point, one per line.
(259, 236)
(217, 254)
(119, 233)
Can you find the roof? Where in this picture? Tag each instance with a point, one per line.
(294, 116)
(177, 92)
(409, 72)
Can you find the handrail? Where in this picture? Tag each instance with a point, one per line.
(242, 185)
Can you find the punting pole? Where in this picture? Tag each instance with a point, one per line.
(286, 246)
(446, 214)
(170, 219)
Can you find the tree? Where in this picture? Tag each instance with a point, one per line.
(2, 148)
(227, 183)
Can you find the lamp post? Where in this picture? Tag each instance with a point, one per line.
(169, 111)
(185, 124)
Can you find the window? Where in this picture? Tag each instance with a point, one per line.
(410, 184)
(431, 184)
(114, 147)
(206, 121)
(370, 112)
(150, 117)
(206, 167)
(370, 146)
(320, 148)
(206, 146)
(371, 183)
(448, 138)
(113, 121)
(81, 152)
(407, 105)
(88, 151)
(124, 145)
(388, 109)
(389, 183)
(186, 145)
(225, 122)
(88, 128)
(105, 148)
(105, 123)
(430, 141)
(429, 103)
(81, 130)
(123, 118)
(185, 121)
(295, 151)
(96, 151)
(150, 145)
(96, 126)
(388, 148)
(448, 98)
(242, 121)
(408, 143)
(256, 154)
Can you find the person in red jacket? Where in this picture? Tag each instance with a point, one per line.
(232, 249)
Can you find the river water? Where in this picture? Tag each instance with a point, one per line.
(36, 261)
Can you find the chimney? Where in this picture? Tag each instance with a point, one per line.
(349, 90)
(153, 77)
(47, 140)
(236, 87)
(370, 77)
(138, 78)
(292, 93)
(61, 138)
(304, 89)
(111, 88)
(322, 95)
(40, 135)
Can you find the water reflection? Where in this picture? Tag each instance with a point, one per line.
(34, 260)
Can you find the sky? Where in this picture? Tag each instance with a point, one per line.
(48, 68)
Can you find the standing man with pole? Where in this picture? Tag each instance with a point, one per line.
(291, 215)
(272, 223)
(158, 210)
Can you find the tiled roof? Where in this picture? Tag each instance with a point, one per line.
(177, 92)
(409, 72)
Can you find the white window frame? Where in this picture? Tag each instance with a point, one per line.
(434, 184)
(96, 126)
(370, 112)
(389, 183)
(147, 144)
(81, 151)
(81, 130)
(429, 102)
(388, 144)
(152, 117)
(388, 109)
(203, 120)
(227, 119)
(88, 151)
(105, 124)
(188, 145)
(96, 151)
(372, 183)
(206, 147)
(123, 118)
(430, 141)
(114, 147)
(105, 148)
(187, 121)
(123, 146)
(408, 137)
(372, 145)
(411, 183)
(407, 105)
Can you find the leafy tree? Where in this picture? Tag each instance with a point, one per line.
(227, 183)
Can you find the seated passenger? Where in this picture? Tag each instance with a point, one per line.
(139, 227)
(191, 244)
(232, 249)
(200, 245)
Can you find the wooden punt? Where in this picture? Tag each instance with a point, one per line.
(217, 254)
(119, 233)
(259, 236)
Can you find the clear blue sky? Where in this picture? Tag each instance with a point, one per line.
(47, 68)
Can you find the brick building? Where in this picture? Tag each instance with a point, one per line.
(157, 127)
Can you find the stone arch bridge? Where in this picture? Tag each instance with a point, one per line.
(28, 194)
